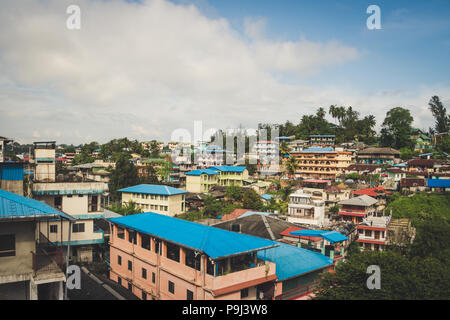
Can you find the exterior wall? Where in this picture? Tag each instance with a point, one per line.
(89, 236)
(175, 204)
(201, 183)
(322, 164)
(45, 165)
(202, 285)
(19, 266)
(233, 178)
(14, 186)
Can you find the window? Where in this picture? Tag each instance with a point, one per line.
(144, 295)
(132, 237)
(92, 203)
(157, 246)
(145, 241)
(130, 265)
(173, 252)
(144, 273)
(189, 295)
(171, 287)
(58, 202)
(78, 227)
(69, 196)
(120, 233)
(244, 293)
(119, 280)
(192, 260)
(119, 260)
(236, 227)
(7, 245)
(54, 228)
(153, 277)
(130, 286)
(80, 196)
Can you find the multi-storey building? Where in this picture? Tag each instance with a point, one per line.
(165, 258)
(373, 232)
(322, 140)
(72, 195)
(358, 208)
(201, 180)
(321, 163)
(302, 209)
(31, 266)
(3, 142)
(157, 198)
(231, 175)
(378, 156)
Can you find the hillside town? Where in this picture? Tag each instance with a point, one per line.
(180, 221)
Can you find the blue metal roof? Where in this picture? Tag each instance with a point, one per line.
(438, 183)
(216, 243)
(15, 206)
(266, 196)
(292, 261)
(318, 149)
(201, 171)
(153, 189)
(229, 168)
(331, 236)
(11, 171)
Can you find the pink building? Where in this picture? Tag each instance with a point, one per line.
(160, 257)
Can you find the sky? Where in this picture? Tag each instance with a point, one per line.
(147, 69)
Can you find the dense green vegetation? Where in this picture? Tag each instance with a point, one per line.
(125, 209)
(420, 206)
(419, 272)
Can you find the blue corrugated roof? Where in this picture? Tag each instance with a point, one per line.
(153, 189)
(438, 183)
(201, 171)
(331, 236)
(13, 205)
(11, 171)
(292, 261)
(228, 168)
(266, 196)
(215, 242)
(318, 149)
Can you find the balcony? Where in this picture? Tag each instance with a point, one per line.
(47, 261)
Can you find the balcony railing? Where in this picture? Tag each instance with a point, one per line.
(47, 261)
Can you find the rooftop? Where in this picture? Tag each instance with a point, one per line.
(292, 261)
(153, 189)
(228, 168)
(15, 206)
(200, 172)
(363, 200)
(214, 242)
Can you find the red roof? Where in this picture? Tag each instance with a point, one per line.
(353, 214)
(373, 192)
(291, 229)
(234, 215)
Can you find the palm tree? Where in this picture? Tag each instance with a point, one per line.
(291, 166)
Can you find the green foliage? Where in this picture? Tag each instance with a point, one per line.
(420, 206)
(334, 209)
(402, 278)
(234, 193)
(85, 155)
(126, 209)
(123, 175)
(439, 112)
(443, 144)
(251, 200)
(396, 129)
(192, 216)
(354, 176)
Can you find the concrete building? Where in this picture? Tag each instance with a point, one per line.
(321, 163)
(322, 140)
(80, 199)
(378, 156)
(231, 175)
(358, 208)
(201, 180)
(157, 198)
(302, 209)
(373, 232)
(31, 266)
(160, 257)
(3, 142)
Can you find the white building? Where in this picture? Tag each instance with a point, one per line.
(302, 209)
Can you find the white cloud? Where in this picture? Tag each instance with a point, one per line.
(143, 70)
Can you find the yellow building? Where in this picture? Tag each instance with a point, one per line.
(201, 180)
(231, 175)
(156, 198)
(321, 163)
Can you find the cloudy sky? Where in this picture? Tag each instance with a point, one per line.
(142, 69)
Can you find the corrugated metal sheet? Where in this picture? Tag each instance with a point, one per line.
(201, 171)
(228, 168)
(153, 189)
(292, 261)
(331, 236)
(11, 171)
(438, 183)
(215, 242)
(13, 205)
